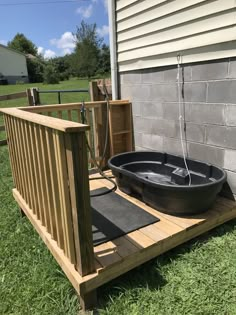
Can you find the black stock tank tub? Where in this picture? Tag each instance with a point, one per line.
(162, 181)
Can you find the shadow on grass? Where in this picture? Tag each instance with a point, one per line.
(148, 275)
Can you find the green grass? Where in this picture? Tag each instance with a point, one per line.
(198, 277)
(47, 98)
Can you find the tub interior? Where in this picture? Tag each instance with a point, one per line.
(167, 169)
(165, 173)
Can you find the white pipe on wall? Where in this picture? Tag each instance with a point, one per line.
(113, 55)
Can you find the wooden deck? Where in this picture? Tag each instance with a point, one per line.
(116, 257)
(124, 253)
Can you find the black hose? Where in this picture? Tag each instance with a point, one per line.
(103, 175)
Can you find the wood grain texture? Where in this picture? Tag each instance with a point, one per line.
(80, 201)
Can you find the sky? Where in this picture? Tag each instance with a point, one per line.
(50, 26)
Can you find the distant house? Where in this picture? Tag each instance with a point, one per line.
(13, 65)
(146, 38)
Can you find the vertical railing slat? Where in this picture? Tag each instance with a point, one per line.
(51, 144)
(31, 167)
(13, 159)
(27, 163)
(65, 198)
(48, 182)
(19, 155)
(77, 163)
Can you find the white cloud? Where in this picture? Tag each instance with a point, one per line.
(103, 31)
(49, 54)
(3, 41)
(40, 50)
(86, 12)
(66, 43)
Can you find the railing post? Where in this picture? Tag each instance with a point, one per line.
(77, 164)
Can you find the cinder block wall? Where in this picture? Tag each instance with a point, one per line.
(209, 104)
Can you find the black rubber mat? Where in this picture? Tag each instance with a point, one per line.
(114, 216)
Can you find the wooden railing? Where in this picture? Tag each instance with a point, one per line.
(50, 171)
(13, 96)
(96, 118)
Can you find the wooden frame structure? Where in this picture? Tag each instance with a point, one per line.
(49, 163)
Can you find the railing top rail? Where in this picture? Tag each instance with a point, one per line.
(56, 107)
(12, 96)
(63, 91)
(50, 122)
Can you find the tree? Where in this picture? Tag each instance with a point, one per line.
(87, 49)
(104, 65)
(50, 75)
(23, 45)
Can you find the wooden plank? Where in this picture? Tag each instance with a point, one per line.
(49, 186)
(65, 199)
(69, 269)
(156, 249)
(69, 115)
(40, 182)
(106, 254)
(56, 107)
(51, 122)
(12, 96)
(11, 151)
(56, 207)
(19, 157)
(27, 163)
(77, 164)
(31, 167)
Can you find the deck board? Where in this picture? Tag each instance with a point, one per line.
(169, 232)
(120, 255)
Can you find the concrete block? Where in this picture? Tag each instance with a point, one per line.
(172, 146)
(194, 132)
(136, 108)
(231, 181)
(151, 109)
(232, 68)
(142, 124)
(205, 113)
(152, 142)
(170, 74)
(126, 92)
(163, 92)
(141, 92)
(130, 78)
(222, 92)
(230, 115)
(210, 71)
(152, 76)
(206, 153)
(221, 136)
(195, 92)
(165, 128)
(230, 160)
(137, 148)
(170, 111)
(138, 139)
(170, 93)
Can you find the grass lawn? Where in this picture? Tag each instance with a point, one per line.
(196, 278)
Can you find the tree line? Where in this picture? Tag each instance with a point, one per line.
(91, 56)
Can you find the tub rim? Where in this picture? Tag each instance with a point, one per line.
(222, 180)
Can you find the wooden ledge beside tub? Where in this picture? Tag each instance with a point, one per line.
(49, 164)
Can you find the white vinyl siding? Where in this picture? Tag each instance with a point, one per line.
(151, 33)
(12, 63)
